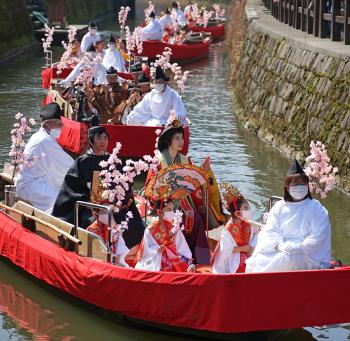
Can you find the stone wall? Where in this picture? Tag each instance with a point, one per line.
(15, 27)
(82, 11)
(290, 95)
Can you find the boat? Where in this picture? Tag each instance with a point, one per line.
(183, 53)
(136, 141)
(217, 31)
(52, 75)
(202, 304)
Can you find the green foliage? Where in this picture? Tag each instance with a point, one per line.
(15, 26)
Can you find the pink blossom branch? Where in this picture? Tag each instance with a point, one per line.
(149, 9)
(20, 128)
(319, 170)
(219, 13)
(123, 16)
(163, 61)
(49, 38)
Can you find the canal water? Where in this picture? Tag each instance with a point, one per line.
(28, 312)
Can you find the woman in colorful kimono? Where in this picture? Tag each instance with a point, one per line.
(170, 144)
(164, 247)
(237, 239)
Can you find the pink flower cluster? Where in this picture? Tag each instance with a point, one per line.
(20, 128)
(49, 38)
(72, 32)
(205, 18)
(133, 40)
(67, 59)
(87, 71)
(118, 229)
(219, 13)
(123, 16)
(149, 9)
(319, 170)
(195, 12)
(154, 161)
(115, 183)
(177, 222)
(163, 61)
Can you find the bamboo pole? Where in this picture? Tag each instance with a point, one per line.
(40, 221)
(252, 222)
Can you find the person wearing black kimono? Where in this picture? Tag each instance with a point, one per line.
(77, 187)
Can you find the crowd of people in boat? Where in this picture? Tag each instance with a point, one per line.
(115, 99)
(296, 235)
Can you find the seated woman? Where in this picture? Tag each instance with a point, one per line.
(237, 239)
(100, 227)
(161, 248)
(297, 235)
(77, 187)
(170, 143)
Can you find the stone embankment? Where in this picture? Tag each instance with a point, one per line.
(291, 88)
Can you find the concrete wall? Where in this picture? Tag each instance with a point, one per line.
(290, 94)
(15, 27)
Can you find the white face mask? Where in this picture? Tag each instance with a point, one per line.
(93, 31)
(247, 214)
(111, 46)
(159, 87)
(55, 133)
(169, 215)
(298, 192)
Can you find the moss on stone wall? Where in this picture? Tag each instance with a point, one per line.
(82, 11)
(290, 95)
(15, 26)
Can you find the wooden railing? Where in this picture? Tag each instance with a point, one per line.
(322, 18)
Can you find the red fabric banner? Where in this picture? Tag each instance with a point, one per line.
(51, 73)
(137, 141)
(218, 303)
(74, 136)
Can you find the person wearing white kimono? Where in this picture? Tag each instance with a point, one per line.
(165, 20)
(41, 182)
(113, 58)
(90, 38)
(297, 235)
(238, 238)
(155, 107)
(153, 30)
(178, 15)
(161, 249)
(99, 71)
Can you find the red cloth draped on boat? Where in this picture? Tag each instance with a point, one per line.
(217, 303)
(48, 74)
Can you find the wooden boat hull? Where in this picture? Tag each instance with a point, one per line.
(136, 141)
(186, 302)
(185, 53)
(217, 32)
